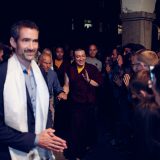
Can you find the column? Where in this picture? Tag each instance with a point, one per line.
(137, 20)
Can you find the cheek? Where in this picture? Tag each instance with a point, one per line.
(134, 68)
(43, 65)
(21, 46)
(141, 68)
(76, 59)
(48, 66)
(62, 55)
(36, 46)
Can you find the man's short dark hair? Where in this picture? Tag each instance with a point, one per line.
(134, 47)
(78, 49)
(22, 24)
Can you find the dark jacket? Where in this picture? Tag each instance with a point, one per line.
(147, 133)
(52, 81)
(9, 136)
(80, 90)
(61, 71)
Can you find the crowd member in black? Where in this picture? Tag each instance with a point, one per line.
(118, 74)
(146, 118)
(117, 105)
(128, 50)
(84, 78)
(5, 53)
(55, 90)
(61, 66)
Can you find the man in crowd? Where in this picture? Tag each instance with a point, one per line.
(92, 59)
(55, 89)
(83, 80)
(61, 65)
(24, 101)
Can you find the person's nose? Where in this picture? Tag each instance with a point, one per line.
(31, 45)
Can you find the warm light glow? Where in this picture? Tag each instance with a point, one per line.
(119, 29)
(87, 23)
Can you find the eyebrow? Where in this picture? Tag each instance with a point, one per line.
(29, 39)
(47, 62)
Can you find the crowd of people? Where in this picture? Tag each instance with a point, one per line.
(50, 100)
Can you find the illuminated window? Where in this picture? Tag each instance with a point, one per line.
(119, 29)
(87, 23)
(73, 24)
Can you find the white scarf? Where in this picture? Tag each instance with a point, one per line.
(15, 104)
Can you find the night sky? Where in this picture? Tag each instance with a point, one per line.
(54, 17)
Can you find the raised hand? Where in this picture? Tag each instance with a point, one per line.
(86, 76)
(126, 79)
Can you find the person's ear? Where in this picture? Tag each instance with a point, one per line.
(143, 93)
(13, 42)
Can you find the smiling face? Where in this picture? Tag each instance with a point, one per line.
(59, 53)
(46, 62)
(26, 45)
(138, 65)
(93, 50)
(80, 58)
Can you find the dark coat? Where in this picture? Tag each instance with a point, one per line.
(147, 133)
(80, 90)
(9, 136)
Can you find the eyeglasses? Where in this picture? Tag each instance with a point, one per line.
(140, 64)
